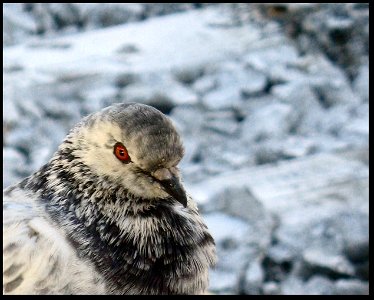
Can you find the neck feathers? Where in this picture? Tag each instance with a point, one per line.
(141, 246)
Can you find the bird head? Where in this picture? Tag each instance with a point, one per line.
(135, 146)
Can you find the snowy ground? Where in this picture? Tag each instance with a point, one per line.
(275, 128)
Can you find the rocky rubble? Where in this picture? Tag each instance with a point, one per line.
(22, 20)
(273, 112)
(340, 31)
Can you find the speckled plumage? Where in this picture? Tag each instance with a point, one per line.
(87, 223)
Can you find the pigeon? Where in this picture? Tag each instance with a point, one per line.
(108, 214)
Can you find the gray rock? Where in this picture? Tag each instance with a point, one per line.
(193, 173)
(108, 14)
(14, 163)
(189, 120)
(11, 178)
(246, 248)
(334, 119)
(125, 79)
(339, 30)
(357, 251)
(324, 183)
(97, 97)
(353, 34)
(93, 15)
(319, 285)
(271, 288)
(361, 83)
(65, 113)
(38, 157)
(230, 78)
(240, 202)
(229, 233)
(280, 148)
(319, 260)
(157, 9)
(342, 124)
(255, 83)
(51, 17)
(297, 146)
(217, 135)
(223, 98)
(188, 75)
(138, 92)
(280, 253)
(359, 154)
(49, 134)
(266, 59)
(328, 143)
(362, 270)
(20, 138)
(126, 49)
(304, 105)
(355, 230)
(23, 19)
(322, 236)
(293, 286)
(267, 150)
(324, 248)
(11, 114)
(253, 278)
(166, 93)
(271, 121)
(28, 108)
(285, 10)
(356, 131)
(351, 287)
(330, 84)
(222, 282)
(335, 91)
(222, 122)
(17, 24)
(219, 153)
(204, 84)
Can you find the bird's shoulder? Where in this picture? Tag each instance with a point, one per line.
(37, 258)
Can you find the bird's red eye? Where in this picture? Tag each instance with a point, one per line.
(121, 153)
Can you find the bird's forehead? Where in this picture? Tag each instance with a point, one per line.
(152, 136)
(98, 131)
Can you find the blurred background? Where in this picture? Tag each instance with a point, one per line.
(271, 100)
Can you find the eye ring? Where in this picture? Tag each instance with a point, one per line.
(121, 153)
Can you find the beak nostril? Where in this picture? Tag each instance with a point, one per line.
(162, 174)
(175, 189)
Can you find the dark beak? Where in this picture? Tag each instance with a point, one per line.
(174, 188)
